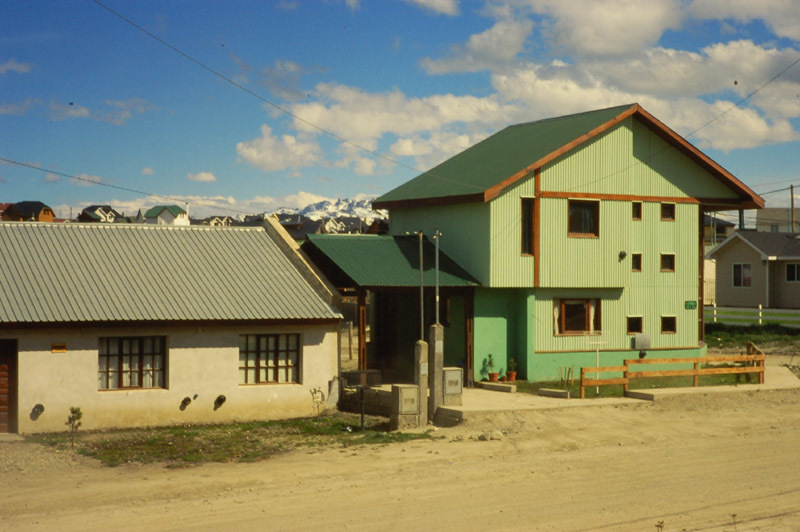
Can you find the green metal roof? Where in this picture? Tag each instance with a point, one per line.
(389, 261)
(155, 211)
(66, 273)
(498, 157)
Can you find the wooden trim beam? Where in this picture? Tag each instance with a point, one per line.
(537, 217)
(478, 197)
(631, 197)
(362, 329)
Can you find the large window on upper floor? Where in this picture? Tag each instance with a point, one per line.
(583, 218)
(132, 362)
(269, 358)
(526, 223)
(577, 316)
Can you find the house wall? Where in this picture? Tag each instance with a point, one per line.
(786, 294)
(509, 268)
(738, 252)
(202, 363)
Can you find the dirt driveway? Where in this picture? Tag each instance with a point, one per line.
(693, 462)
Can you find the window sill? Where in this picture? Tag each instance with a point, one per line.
(580, 333)
(249, 384)
(669, 332)
(667, 271)
(132, 389)
(582, 235)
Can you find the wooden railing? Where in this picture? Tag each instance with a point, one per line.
(753, 363)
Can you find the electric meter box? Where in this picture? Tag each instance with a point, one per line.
(453, 385)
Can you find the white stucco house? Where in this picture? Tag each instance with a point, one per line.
(166, 215)
(190, 325)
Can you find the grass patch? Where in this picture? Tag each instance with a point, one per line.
(243, 442)
(719, 335)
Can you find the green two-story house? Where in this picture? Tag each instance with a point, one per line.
(584, 232)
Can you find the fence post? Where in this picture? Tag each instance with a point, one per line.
(715, 312)
(759, 313)
(696, 367)
(583, 390)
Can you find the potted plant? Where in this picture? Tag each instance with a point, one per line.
(488, 366)
(511, 373)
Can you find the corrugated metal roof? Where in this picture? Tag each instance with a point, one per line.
(498, 157)
(104, 272)
(389, 261)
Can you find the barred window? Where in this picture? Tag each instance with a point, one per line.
(269, 358)
(132, 362)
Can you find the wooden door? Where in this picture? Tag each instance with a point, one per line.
(8, 386)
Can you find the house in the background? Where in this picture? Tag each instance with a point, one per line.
(166, 215)
(584, 232)
(778, 220)
(715, 229)
(758, 268)
(214, 221)
(3, 207)
(99, 214)
(28, 211)
(190, 325)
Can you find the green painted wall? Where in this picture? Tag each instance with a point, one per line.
(465, 232)
(509, 268)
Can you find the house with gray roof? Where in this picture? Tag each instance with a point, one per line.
(757, 268)
(778, 220)
(190, 325)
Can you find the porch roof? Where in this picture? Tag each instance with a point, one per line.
(386, 261)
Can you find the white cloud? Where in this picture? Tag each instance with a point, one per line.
(271, 153)
(430, 150)
(782, 16)
(495, 47)
(116, 112)
(441, 7)
(52, 178)
(86, 180)
(353, 4)
(19, 108)
(205, 177)
(12, 65)
(60, 112)
(614, 27)
(147, 171)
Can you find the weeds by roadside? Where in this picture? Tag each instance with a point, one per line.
(242, 442)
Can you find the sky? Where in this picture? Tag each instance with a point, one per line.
(246, 106)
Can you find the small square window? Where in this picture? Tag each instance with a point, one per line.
(583, 218)
(636, 262)
(667, 262)
(792, 273)
(669, 325)
(742, 275)
(637, 210)
(668, 212)
(634, 324)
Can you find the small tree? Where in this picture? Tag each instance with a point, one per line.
(74, 423)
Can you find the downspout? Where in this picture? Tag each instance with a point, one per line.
(767, 287)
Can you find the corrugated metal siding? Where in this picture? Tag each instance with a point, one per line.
(465, 230)
(631, 159)
(99, 272)
(508, 267)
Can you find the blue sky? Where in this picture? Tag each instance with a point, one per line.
(83, 93)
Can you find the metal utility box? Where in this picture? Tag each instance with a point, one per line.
(405, 406)
(453, 385)
(641, 341)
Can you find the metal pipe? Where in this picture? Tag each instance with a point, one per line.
(421, 293)
(436, 235)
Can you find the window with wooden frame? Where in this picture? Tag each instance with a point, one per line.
(636, 262)
(668, 212)
(132, 362)
(634, 324)
(526, 223)
(269, 358)
(583, 218)
(637, 210)
(742, 275)
(577, 316)
(669, 325)
(667, 262)
(793, 273)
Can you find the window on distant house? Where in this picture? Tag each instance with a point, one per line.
(669, 325)
(636, 262)
(577, 316)
(668, 212)
(584, 218)
(527, 226)
(793, 273)
(742, 275)
(269, 358)
(634, 324)
(637, 210)
(667, 262)
(774, 228)
(132, 362)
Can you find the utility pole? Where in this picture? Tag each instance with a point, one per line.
(436, 236)
(421, 293)
(791, 209)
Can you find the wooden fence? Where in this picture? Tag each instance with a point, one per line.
(753, 363)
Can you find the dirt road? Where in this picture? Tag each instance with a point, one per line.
(692, 462)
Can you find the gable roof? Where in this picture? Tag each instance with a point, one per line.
(158, 209)
(481, 172)
(158, 273)
(386, 261)
(771, 246)
(29, 209)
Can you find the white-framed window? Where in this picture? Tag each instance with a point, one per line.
(132, 362)
(576, 316)
(269, 358)
(742, 275)
(793, 273)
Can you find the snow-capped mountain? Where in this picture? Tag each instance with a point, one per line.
(360, 207)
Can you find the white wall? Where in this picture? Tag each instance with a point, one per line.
(202, 361)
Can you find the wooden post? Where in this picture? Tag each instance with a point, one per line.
(696, 367)
(350, 338)
(715, 311)
(759, 313)
(362, 329)
(583, 390)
